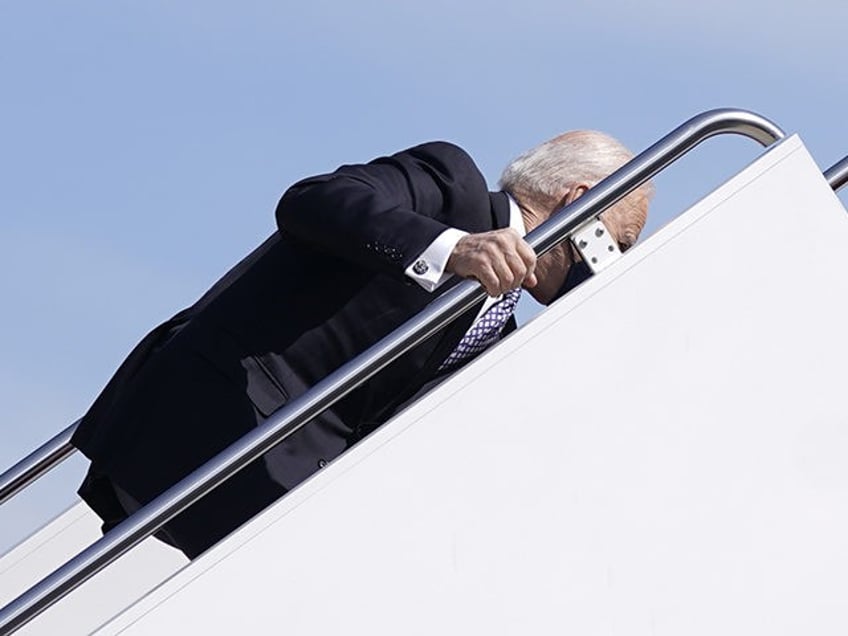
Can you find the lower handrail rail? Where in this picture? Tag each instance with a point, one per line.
(837, 174)
(325, 393)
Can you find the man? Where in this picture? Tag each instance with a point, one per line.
(357, 253)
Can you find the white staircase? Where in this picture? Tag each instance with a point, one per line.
(661, 452)
(109, 592)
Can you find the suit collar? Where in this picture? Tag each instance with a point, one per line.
(500, 209)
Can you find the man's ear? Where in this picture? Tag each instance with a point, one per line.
(575, 192)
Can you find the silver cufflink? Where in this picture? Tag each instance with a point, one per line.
(420, 267)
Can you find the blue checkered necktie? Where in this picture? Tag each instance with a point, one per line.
(483, 333)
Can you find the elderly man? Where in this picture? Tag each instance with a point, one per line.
(357, 252)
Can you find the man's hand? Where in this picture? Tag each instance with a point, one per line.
(500, 260)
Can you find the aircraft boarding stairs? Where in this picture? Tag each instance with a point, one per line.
(662, 451)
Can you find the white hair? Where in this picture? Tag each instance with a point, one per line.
(549, 169)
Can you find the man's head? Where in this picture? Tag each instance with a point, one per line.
(555, 174)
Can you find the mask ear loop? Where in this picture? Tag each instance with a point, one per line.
(571, 254)
(570, 283)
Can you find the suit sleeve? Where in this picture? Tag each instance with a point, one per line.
(383, 214)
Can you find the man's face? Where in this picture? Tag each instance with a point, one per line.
(624, 222)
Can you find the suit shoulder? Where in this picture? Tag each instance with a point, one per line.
(447, 163)
(441, 151)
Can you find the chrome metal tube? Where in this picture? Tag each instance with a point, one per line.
(41, 460)
(648, 163)
(326, 392)
(837, 174)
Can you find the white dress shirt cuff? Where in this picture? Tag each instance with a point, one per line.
(428, 270)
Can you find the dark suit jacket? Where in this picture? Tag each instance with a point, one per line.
(321, 289)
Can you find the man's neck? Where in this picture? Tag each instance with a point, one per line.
(531, 215)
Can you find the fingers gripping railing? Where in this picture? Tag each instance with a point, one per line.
(837, 174)
(326, 392)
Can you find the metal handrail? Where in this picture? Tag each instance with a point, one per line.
(837, 174)
(37, 463)
(325, 393)
(59, 448)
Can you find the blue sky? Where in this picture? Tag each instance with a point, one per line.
(143, 145)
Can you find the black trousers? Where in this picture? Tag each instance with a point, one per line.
(179, 533)
(143, 466)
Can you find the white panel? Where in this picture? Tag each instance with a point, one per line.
(40, 553)
(662, 452)
(106, 594)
